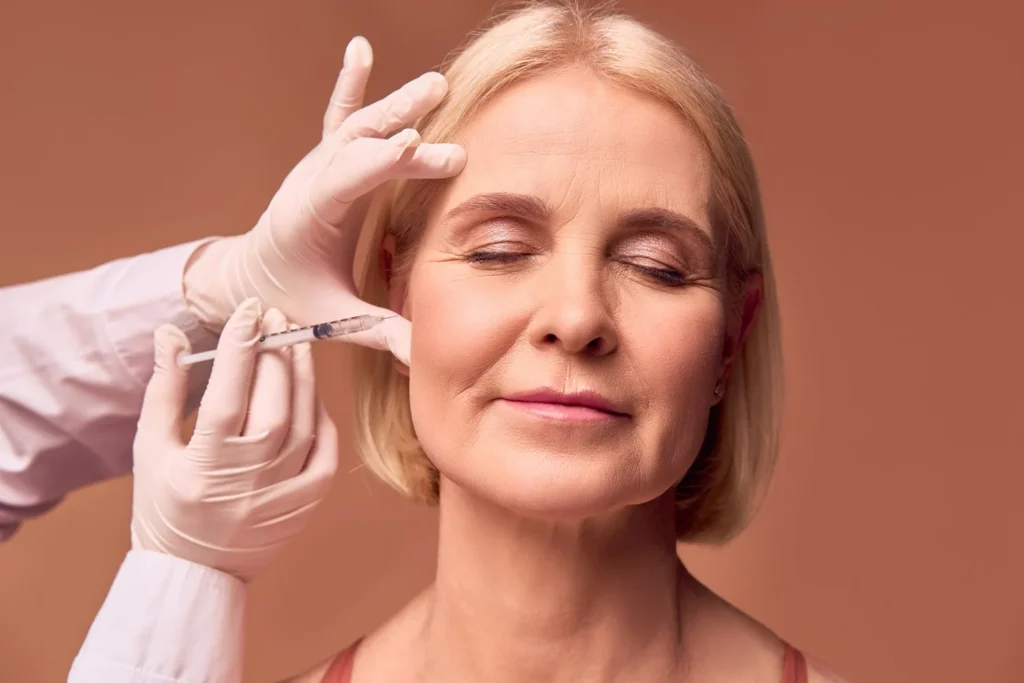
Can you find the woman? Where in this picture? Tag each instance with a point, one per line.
(594, 367)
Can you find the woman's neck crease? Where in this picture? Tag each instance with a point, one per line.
(519, 599)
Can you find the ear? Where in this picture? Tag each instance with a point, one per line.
(395, 287)
(741, 320)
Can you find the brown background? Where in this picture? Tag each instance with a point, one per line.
(888, 143)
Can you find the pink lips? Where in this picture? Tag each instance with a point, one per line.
(585, 406)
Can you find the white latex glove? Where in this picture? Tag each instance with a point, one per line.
(262, 455)
(299, 257)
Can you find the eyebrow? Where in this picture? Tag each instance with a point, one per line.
(521, 205)
(533, 209)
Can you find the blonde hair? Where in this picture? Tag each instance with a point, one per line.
(720, 492)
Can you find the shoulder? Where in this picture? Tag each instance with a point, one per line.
(816, 673)
(314, 675)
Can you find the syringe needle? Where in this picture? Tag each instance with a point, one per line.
(277, 340)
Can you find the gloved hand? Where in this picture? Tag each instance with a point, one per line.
(262, 455)
(299, 257)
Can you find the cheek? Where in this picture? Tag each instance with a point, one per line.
(692, 352)
(675, 345)
(678, 363)
(461, 328)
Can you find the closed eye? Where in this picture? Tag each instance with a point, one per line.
(667, 276)
(495, 257)
(664, 275)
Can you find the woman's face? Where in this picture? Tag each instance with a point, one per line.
(568, 316)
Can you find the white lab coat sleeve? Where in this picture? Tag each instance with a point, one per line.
(165, 620)
(76, 353)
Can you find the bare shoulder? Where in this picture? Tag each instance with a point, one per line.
(375, 649)
(816, 673)
(314, 675)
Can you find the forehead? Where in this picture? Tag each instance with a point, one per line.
(581, 143)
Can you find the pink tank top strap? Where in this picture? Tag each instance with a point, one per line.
(340, 670)
(794, 666)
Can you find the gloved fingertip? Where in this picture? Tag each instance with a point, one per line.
(399, 343)
(300, 351)
(436, 80)
(358, 53)
(244, 324)
(168, 343)
(457, 159)
(274, 321)
(406, 138)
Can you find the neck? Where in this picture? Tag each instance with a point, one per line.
(522, 599)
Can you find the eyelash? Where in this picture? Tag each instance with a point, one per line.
(494, 257)
(666, 276)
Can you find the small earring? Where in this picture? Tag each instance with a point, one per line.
(719, 390)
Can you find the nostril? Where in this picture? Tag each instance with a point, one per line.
(595, 346)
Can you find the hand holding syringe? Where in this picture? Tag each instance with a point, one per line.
(277, 340)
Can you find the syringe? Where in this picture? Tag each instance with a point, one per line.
(277, 340)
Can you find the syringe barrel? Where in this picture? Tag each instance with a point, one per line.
(339, 328)
(290, 338)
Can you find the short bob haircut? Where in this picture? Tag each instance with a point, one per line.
(724, 486)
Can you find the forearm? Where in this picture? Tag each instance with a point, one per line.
(75, 358)
(165, 620)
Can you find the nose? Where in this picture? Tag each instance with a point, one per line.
(573, 311)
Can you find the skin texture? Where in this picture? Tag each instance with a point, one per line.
(568, 301)
(557, 553)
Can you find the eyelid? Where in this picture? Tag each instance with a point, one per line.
(503, 247)
(496, 230)
(661, 248)
(658, 259)
(648, 262)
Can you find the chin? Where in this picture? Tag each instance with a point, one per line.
(553, 487)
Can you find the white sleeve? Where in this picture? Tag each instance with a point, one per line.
(165, 620)
(76, 354)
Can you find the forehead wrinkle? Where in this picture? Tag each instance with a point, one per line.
(629, 163)
(647, 190)
(593, 146)
(633, 170)
(580, 164)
